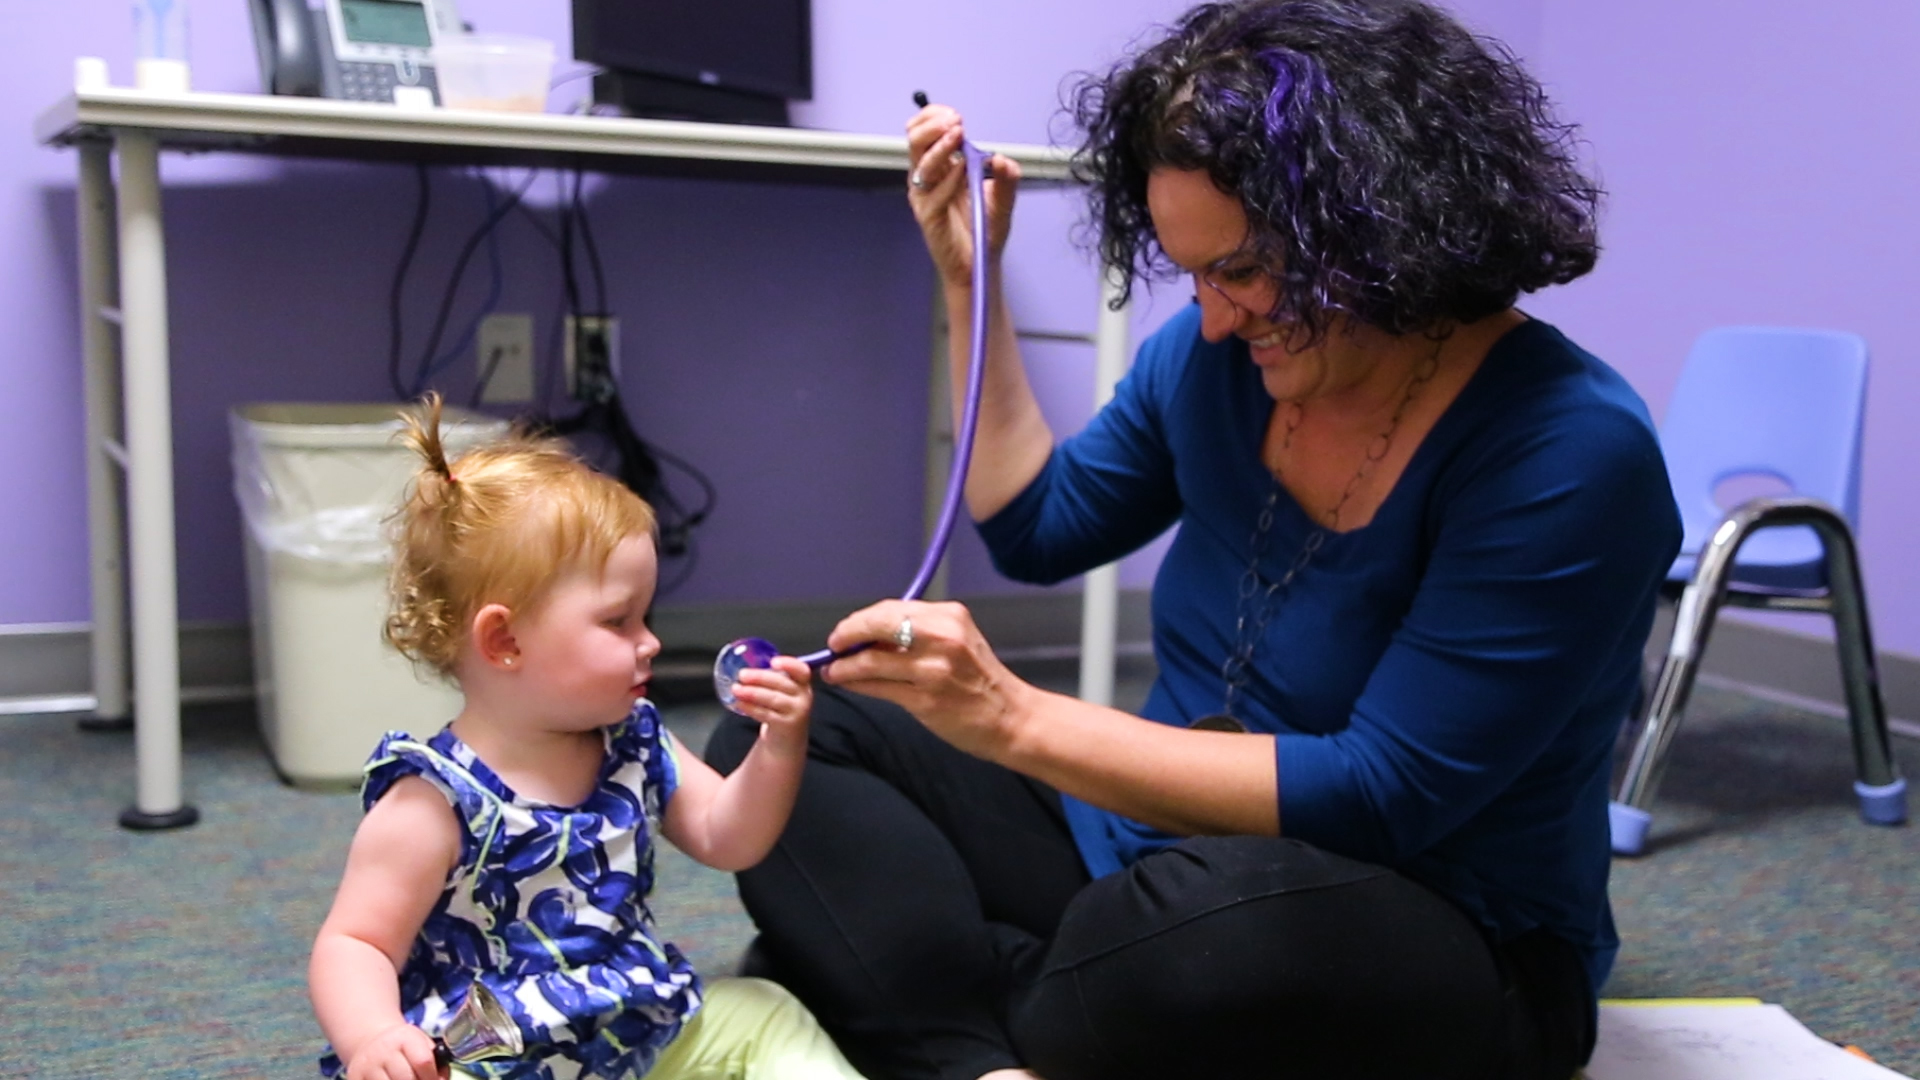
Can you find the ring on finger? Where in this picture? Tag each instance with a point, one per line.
(903, 634)
(919, 182)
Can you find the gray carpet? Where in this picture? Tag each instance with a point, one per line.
(1762, 881)
(182, 955)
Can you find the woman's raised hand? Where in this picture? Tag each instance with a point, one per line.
(945, 674)
(937, 191)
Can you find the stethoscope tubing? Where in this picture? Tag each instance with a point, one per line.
(976, 163)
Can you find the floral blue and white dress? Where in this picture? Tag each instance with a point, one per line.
(548, 907)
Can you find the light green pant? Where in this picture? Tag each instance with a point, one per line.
(749, 1029)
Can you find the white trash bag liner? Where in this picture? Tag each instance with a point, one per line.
(321, 481)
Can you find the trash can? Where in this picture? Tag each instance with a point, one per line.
(316, 485)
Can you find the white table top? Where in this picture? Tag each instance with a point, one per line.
(365, 131)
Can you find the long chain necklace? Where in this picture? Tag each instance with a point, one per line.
(1256, 600)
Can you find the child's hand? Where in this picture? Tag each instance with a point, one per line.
(780, 696)
(401, 1052)
(731, 822)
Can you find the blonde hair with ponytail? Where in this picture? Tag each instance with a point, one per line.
(500, 524)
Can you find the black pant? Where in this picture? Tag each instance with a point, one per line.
(932, 911)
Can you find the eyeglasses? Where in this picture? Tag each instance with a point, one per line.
(1237, 277)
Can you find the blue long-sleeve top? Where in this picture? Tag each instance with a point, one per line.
(1445, 683)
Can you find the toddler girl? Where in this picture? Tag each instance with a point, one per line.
(514, 847)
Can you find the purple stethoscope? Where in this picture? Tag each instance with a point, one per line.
(753, 652)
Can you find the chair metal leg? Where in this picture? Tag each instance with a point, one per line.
(1878, 785)
(1882, 793)
(1628, 816)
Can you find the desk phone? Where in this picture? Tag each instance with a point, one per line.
(355, 50)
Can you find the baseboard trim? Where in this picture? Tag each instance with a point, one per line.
(44, 667)
(48, 668)
(47, 704)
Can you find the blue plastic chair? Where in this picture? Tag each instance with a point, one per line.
(1784, 406)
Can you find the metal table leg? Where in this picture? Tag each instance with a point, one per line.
(100, 347)
(1100, 600)
(149, 427)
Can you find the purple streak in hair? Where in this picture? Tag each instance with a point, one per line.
(1283, 82)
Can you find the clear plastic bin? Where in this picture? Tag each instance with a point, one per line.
(316, 484)
(498, 72)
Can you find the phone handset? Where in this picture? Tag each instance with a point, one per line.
(286, 40)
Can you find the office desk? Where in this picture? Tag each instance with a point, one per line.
(123, 315)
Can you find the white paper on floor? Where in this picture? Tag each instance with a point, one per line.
(1718, 1042)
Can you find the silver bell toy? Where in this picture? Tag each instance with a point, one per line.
(479, 1030)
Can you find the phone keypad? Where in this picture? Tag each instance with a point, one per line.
(375, 82)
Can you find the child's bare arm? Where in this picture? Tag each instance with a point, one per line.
(395, 870)
(731, 822)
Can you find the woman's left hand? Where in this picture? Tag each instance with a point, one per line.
(947, 676)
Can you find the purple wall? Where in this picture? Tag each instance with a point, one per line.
(1760, 165)
(775, 336)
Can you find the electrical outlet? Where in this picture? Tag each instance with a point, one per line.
(592, 357)
(506, 358)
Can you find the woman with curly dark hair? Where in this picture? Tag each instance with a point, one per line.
(1360, 829)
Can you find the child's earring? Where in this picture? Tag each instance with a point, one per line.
(507, 660)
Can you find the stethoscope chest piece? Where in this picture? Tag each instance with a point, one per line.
(745, 653)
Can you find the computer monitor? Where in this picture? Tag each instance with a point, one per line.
(739, 61)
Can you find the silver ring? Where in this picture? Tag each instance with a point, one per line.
(903, 634)
(919, 182)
